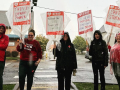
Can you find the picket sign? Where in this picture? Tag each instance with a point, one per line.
(85, 23)
(113, 18)
(55, 24)
(21, 14)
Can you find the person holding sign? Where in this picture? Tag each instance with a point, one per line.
(99, 52)
(115, 59)
(4, 40)
(30, 56)
(66, 61)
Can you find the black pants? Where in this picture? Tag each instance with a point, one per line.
(98, 66)
(64, 75)
(2, 65)
(116, 69)
(118, 80)
(26, 69)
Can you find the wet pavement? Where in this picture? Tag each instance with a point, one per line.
(45, 77)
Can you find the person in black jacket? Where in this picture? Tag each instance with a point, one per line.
(99, 52)
(66, 61)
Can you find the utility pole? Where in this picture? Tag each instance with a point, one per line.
(32, 14)
(34, 2)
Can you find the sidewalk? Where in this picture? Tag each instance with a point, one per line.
(45, 77)
(46, 73)
(44, 87)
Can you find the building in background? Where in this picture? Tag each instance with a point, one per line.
(13, 42)
(3, 19)
(112, 39)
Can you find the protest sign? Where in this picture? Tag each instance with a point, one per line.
(113, 16)
(21, 13)
(55, 23)
(85, 22)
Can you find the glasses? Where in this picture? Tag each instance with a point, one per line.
(30, 35)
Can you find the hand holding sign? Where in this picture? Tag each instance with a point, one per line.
(20, 41)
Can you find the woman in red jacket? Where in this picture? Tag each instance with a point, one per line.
(4, 40)
(30, 56)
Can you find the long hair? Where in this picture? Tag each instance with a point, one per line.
(99, 33)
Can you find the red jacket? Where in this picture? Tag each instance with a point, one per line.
(115, 53)
(4, 40)
(30, 48)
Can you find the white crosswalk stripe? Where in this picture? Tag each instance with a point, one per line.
(41, 76)
(45, 71)
(43, 79)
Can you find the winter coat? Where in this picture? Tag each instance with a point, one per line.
(30, 47)
(98, 50)
(66, 55)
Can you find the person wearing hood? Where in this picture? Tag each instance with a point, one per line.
(66, 61)
(4, 40)
(99, 52)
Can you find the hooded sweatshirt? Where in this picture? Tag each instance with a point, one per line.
(4, 40)
(30, 50)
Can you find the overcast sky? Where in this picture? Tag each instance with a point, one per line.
(73, 6)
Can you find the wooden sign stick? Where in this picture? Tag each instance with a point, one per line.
(110, 35)
(55, 49)
(21, 38)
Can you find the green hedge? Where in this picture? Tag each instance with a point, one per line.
(8, 54)
(14, 53)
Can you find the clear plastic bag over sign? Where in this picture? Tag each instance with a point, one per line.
(55, 38)
(19, 30)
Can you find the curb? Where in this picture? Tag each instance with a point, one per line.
(16, 87)
(73, 85)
